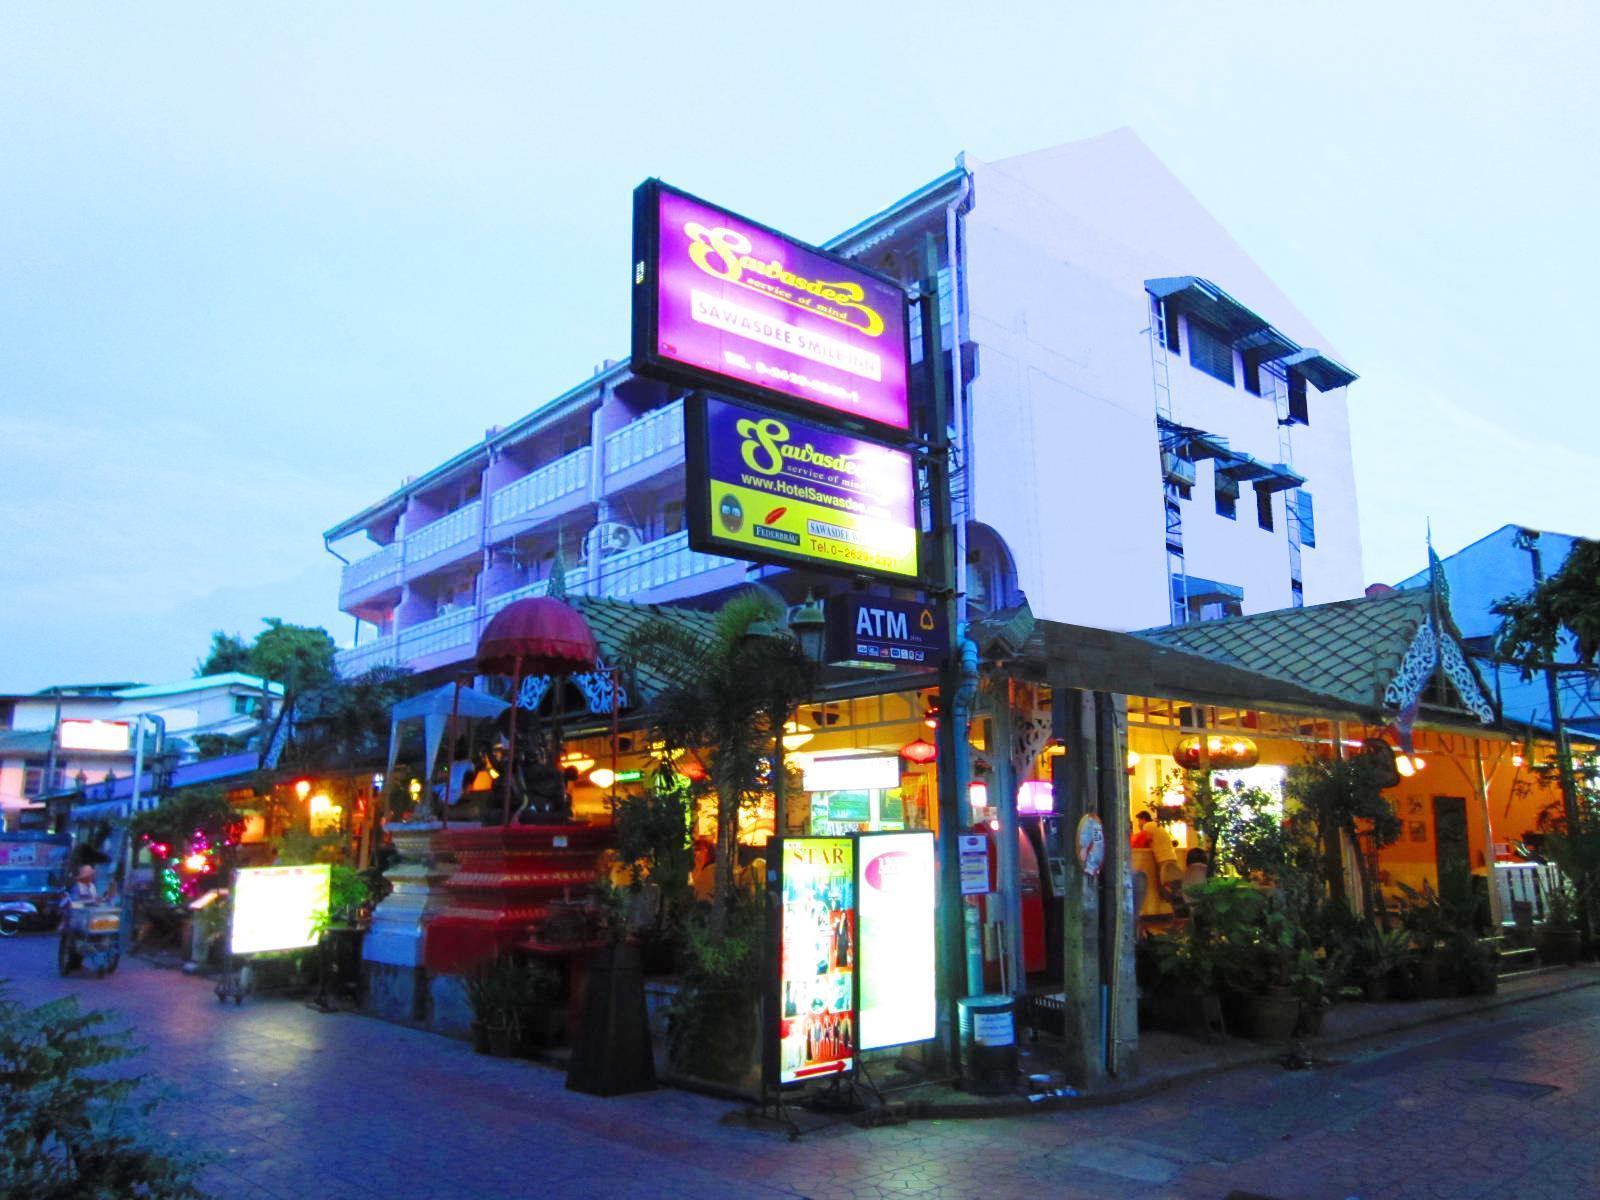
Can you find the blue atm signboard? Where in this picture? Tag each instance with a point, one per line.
(880, 632)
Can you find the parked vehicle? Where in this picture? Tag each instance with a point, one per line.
(90, 938)
(32, 872)
(14, 914)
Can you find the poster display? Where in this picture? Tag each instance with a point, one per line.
(278, 908)
(895, 922)
(724, 303)
(816, 1026)
(774, 488)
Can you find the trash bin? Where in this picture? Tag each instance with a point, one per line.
(988, 1031)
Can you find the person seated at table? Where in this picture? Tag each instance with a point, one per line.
(703, 879)
(1195, 868)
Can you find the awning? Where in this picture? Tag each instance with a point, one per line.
(1321, 370)
(1204, 299)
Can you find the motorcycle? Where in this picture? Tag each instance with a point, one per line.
(14, 914)
(90, 937)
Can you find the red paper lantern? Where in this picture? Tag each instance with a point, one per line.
(919, 751)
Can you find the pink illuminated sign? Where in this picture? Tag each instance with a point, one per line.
(727, 304)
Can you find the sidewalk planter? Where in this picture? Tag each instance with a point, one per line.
(611, 1054)
(1561, 947)
(1272, 1016)
(715, 1038)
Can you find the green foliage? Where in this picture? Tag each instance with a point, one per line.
(725, 693)
(180, 815)
(228, 653)
(507, 992)
(1566, 602)
(343, 724)
(70, 1132)
(712, 1021)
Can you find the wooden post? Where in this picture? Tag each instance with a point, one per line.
(1076, 793)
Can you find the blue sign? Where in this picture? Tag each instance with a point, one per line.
(879, 631)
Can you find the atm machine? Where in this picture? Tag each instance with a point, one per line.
(1046, 836)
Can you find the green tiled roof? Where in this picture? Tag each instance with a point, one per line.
(1349, 649)
(615, 621)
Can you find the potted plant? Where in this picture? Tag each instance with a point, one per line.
(1559, 939)
(497, 991)
(1379, 956)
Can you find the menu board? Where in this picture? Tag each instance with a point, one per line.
(816, 1026)
(895, 908)
(278, 908)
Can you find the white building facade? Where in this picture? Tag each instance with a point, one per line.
(1145, 427)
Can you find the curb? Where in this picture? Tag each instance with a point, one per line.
(1013, 1106)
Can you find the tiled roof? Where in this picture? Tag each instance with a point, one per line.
(1349, 649)
(615, 621)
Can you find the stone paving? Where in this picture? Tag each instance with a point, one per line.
(305, 1105)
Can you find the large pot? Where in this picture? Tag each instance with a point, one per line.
(1563, 946)
(1274, 1016)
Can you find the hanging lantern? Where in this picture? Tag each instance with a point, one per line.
(1227, 752)
(603, 777)
(919, 751)
(577, 760)
(692, 770)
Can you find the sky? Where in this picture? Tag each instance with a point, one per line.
(259, 263)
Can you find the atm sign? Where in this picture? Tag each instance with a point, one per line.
(878, 631)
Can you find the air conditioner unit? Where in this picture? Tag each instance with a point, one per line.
(609, 537)
(1176, 470)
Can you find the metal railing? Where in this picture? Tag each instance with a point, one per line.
(447, 631)
(382, 568)
(1530, 883)
(358, 660)
(638, 440)
(550, 482)
(575, 580)
(654, 564)
(463, 525)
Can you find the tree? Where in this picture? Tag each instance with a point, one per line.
(1336, 794)
(70, 1131)
(228, 653)
(344, 723)
(727, 694)
(1567, 602)
(298, 656)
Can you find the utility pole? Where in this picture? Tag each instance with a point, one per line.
(954, 696)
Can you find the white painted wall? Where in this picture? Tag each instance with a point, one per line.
(1064, 446)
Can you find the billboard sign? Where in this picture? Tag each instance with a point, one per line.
(106, 737)
(278, 908)
(777, 489)
(724, 303)
(895, 902)
(880, 631)
(816, 1026)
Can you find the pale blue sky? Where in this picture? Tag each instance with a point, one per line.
(257, 263)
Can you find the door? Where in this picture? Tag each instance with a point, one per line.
(1450, 846)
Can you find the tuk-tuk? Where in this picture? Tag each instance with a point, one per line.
(33, 871)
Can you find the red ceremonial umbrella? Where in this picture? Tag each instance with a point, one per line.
(537, 636)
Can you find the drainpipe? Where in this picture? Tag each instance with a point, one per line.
(958, 407)
(355, 636)
(961, 769)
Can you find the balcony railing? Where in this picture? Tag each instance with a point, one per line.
(463, 525)
(655, 564)
(576, 577)
(649, 435)
(383, 652)
(381, 569)
(549, 483)
(448, 631)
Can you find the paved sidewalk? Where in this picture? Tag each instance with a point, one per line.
(304, 1105)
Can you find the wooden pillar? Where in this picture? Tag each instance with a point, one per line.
(1116, 889)
(1481, 786)
(1076, 793)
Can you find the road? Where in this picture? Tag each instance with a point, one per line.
(301, 1105)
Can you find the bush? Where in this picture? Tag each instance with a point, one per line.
(69, 1133)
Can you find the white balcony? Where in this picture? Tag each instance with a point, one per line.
(656, 431)
(448, 631)
(548, 484)
(575, 580)
(463, 525)
(373, 573)
(358, 660)
(655, 564)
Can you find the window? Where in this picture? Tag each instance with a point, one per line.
(1307, 518)
(1227, 489)
(1210, 352)
(1264, 508)
(1250, 364)
(32, 777)
(1298, 412)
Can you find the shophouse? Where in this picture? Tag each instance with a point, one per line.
(52, 739)
(1146, 429)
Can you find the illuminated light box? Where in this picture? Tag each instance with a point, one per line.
(773, 488)
(856, 774)
(895, 903)
(278, 908)
(814, 1034)
(724, 303)
(108, 737)
(1036, 796)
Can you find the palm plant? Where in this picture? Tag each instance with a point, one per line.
(726, 690)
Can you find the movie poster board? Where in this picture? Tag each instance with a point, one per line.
(813, 1034)
(895, 903)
